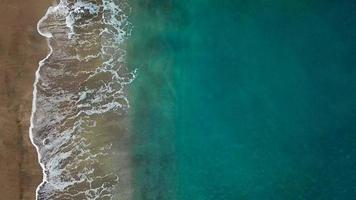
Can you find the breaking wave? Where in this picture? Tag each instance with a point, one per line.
(79, 86)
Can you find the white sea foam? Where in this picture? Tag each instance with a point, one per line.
(83, 78)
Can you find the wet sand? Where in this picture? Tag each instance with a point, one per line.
(21, 48)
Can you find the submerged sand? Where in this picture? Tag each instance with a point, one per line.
(21, 48)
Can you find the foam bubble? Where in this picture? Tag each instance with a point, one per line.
(83, 78)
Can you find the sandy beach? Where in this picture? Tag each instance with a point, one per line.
(21, 48)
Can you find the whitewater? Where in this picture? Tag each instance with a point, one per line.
(80, 101)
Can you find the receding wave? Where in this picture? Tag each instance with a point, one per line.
(80, 97)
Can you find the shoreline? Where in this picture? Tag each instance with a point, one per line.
(21, 48)
(107, 170)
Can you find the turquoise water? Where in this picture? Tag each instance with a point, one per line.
(243, 99)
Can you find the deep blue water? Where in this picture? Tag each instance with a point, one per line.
(244, 99)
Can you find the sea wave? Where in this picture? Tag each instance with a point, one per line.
(83, 78)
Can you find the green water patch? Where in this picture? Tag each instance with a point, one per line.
(243, 100)
(153, 95)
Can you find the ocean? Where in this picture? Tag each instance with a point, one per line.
(230, 100)
(244, 99)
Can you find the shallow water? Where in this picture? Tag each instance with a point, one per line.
(79, 118)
